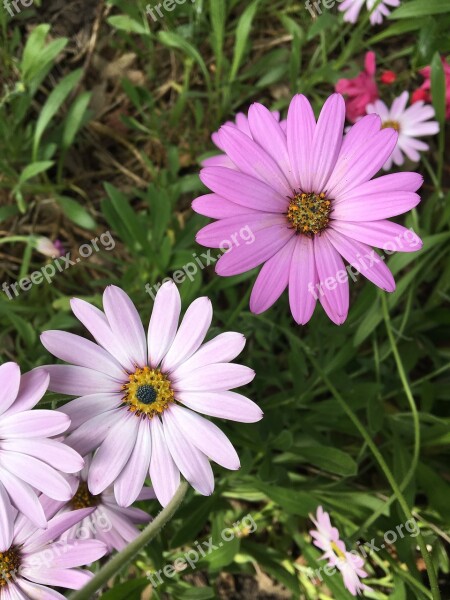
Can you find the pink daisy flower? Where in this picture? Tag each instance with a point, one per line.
(31, 560)
(424, 92)
(137, 391)
(309, 199)
(352, 8)
(361, 90)
(350, 564)
(411, 123)
(108, 522)
(29, 459)
(241, 122)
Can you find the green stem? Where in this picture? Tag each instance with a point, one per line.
(123, 558)
(384, 467)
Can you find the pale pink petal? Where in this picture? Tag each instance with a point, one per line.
(272, 279)
(33, 386)
(88, 436)
(164, 474)
(334, 294)
(224, 405)
(7, 514)
(79, 381)
(380, 234)
(300, 130)
(34, 591)
(163, 322)
(33, 423)
(9, 384)
(373, 207)
(229, 233)
(81, 410)
(302, 280)
(216, 377)
(73, 579)
(215, 206)
(23, 498)
(190, 335)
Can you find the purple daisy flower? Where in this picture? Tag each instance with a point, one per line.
(31, 560)
(29, 459)
(133, 388)
(110, 523)
(309, 198)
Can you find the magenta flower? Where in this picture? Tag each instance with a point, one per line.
(241, 123)
(108, 522)
(133, 388)
(350, 564)
(32, 560)
(411, 123)
(309, 199)
(29, 459)
(424, 92)
(361, 90)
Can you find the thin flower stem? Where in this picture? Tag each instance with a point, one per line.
(123, 558)
(384, 467)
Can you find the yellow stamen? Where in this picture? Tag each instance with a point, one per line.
(392, 124)
(309, 213)
(148, 392)
(10, 562)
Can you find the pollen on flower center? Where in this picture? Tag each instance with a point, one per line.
(148, 392)
(337, 550)
(309, 213)
(10, 562)
(83, 497)
(391, 124)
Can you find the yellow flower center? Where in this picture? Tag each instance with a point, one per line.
(392, 124)
(337, 550)
(83, 497)
(9, 566)
(309, 213)
(148, 392)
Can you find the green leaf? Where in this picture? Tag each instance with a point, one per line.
(76, 213)
(420, 8)
(75, 119)
(8, 211)
(53, 104)
(34, 169)
(332, 460)
(438, 88)
(128, 24)
(174, 40)
(197, 593)
(129, 590)
(242, 35)
(292, 501)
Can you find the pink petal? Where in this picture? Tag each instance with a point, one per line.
(224, 405)
(113, 454)
(33, 423)
(272, 279)
(73, 579)
(228, 233)
(52, 452)
(37, 592)
(327, 141)
(80, 381)
(334, 295)
(130, 482)
(253, 160)
(88, 436)
(81, 352)
(126, 324)
(24, 498)
(373, 207)
(7, 514)
(205, 436)
(380, 234)
(300, 130)
(33, 386)
(242, 258)
(190, 335)
(395, 182)
(192, 463)
(361, 257)
(97, 324)
(163, 322)
(81, 410)
(216, 377)
(164, 473)
(302, 277)
(9, 384)
(56, 527)
(244, 190)
(215, 206)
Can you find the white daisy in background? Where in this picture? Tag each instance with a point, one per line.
(352, 8)
(411, 123)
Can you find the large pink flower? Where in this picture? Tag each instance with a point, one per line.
(361, 90)
(33, 560)
(309, 199)
(135, 389)
(29, 459)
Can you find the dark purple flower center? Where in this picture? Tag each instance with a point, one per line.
(10, 562)
(309, 213)
(146, 394)
(83, 497)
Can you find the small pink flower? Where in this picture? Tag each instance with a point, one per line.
(424, 92)
(350, 564)
(411, 123)
(352, 8)
(33, 560)
(359, 91)
(48, 248)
